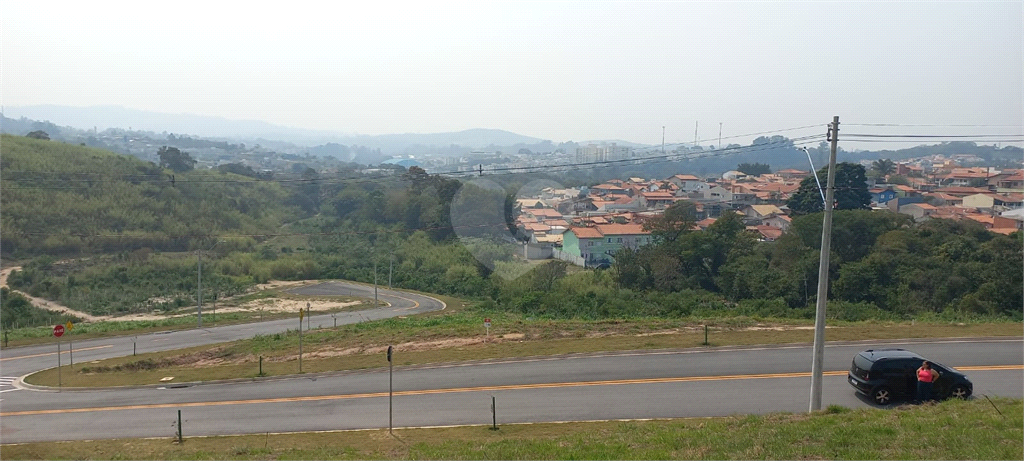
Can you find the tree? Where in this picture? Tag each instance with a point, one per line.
(882, 168)
(38, 134)
(851, 191)
(678, 219)
(237, 168)
(171, 157)
(754, 169)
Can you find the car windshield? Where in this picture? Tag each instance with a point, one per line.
(941, 368)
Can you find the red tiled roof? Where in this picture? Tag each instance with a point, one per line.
(586, 232)
(622, 229)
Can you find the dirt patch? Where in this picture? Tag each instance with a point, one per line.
(271, 305)
(49, 305)
(288, 305)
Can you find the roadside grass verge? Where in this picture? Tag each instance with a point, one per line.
(211, 317)
(953, 429)
(458, 334)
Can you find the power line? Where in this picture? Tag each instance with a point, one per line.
(929, 125)
(927, 135)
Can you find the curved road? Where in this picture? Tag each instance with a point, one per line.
(652, 384)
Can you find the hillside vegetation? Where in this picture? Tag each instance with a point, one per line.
(115, 242)
(69, 201)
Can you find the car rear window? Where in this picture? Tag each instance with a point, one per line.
(862, 362)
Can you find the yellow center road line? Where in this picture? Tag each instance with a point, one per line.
(316, 398)
(54, 353)
(992, 367)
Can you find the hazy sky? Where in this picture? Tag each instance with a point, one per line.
(554, 70)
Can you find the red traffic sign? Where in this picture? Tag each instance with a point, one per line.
(58, 330)
(487, 322)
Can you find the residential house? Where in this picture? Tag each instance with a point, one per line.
(760, 212)
(919, 211)
(543, 215)
(718, 193)
(781, 222)
(790, 174)
(1010, 181)
(688, 184)
(964, 177)
(989, 201)
(608, 189)
(882, 195)
(576, 206)
(942, 198)
(765, 233)
(657, 200)
(596, 245)
(961, 191)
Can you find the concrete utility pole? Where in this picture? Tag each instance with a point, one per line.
(826, 246)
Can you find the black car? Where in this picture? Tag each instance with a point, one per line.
(891, 374)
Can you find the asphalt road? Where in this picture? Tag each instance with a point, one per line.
(656, 384)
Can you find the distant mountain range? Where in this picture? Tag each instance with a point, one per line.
(103, 117)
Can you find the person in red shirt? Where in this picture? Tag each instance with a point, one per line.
(926, 375)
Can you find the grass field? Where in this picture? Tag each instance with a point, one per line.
(955, 429)
(459, 335)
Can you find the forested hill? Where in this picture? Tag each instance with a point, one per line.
(66, 200)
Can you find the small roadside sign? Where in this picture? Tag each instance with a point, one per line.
(69, 326)
(302, 314)
(58, 331)
(487, 323)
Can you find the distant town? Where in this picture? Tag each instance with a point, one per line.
(586, 226)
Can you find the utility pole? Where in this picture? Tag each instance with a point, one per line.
(695, 125)
(663, 140)
(826, 246)
(719, 135)
(199, 290)
(199, 287)
(391, 269)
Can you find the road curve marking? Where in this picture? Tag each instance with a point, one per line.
(53, 353)
(510, 387)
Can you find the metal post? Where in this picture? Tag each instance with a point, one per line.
(705, 335)
(71, 350)
(59, 385)
(300, 340)
(307, 315)
(391, 393)
(199, 290)
(261, 365)
(375, 284)
(179, 427)
(133, 345)
(494, 416)
(391, 269)
(826, 245)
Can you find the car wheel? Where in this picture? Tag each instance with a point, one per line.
(960, 392)
(882, 395)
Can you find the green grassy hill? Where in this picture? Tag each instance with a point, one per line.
(66, 200)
